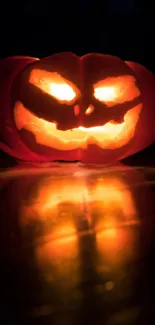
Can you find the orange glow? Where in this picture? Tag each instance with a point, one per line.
(62, 202)
(76, 110)
(116, 90)
(112, 193)
(115, 228)
(109, 136)
(53, 210)
(55, 85)
(59, 259)
(89, 110)
(58, 251)
(116, 246)
(58, 206)
(51, 198)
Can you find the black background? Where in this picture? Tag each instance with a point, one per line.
(42, 28)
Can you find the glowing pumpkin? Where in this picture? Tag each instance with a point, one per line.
(96, 108)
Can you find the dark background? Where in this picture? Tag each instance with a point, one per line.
(125, 28)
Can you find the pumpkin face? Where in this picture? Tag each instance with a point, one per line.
(91, 109)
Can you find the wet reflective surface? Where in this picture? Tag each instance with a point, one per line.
(77, 245)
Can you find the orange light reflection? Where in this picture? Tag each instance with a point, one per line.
(62, 203)
(59, 204)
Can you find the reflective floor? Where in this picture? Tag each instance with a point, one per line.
(77, 245)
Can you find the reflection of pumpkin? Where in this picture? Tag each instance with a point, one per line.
(87, 227)
(65, 206)
(63, 203)
(62, 210)
(94, 108)
(103, 206)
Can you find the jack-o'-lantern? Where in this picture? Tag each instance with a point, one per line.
(94, 108)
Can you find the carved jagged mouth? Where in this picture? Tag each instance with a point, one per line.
(109, 136)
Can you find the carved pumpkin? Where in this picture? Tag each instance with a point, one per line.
(94, 108)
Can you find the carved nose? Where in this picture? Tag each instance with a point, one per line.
(88, 110)
(76, 110)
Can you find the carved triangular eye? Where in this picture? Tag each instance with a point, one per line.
(116, 90)
(55, 85)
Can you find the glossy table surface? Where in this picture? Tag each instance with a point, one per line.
(77, 245)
